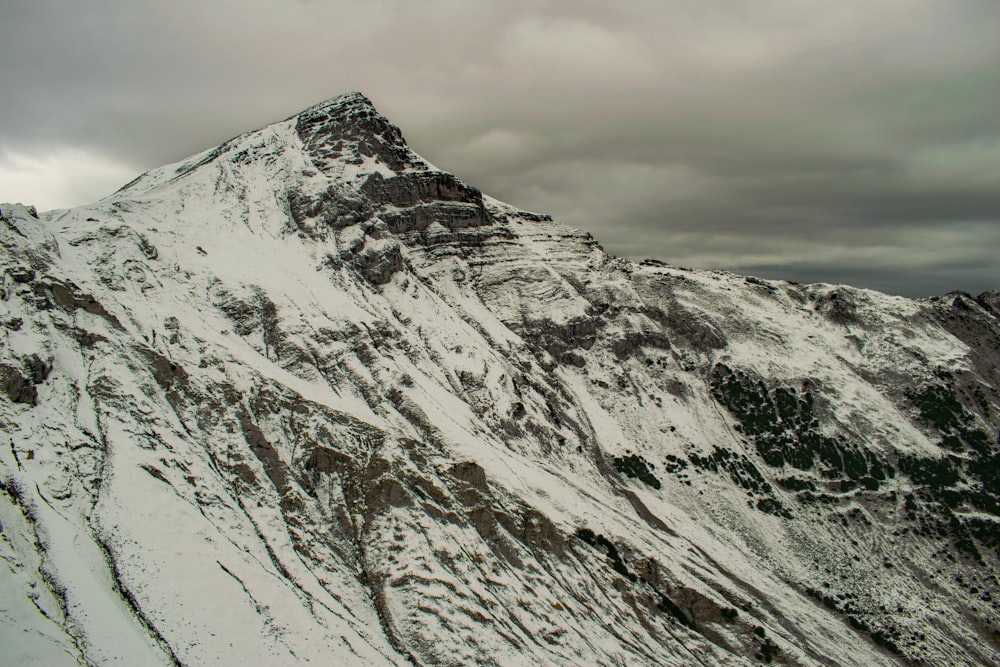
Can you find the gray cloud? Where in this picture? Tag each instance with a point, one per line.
(843, 142)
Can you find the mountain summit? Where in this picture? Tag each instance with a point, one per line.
(304, 397)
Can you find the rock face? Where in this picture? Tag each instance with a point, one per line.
(304, 397)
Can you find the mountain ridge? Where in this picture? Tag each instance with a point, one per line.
(399, 421)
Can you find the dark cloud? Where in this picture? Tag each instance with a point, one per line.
(856, 141)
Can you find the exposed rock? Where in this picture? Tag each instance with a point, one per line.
(69, 297)
(334, 208)
(409, 189)
(38, 370)
(558, 338)
(16, 386)
(839, 307)
(378, 261)
(349, 126)
(990, 300)
(450, 215)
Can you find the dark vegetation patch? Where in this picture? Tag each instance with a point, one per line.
(966, 477)
(773, 506)
(985, 531)
(768, 651)
(742, 471)
(636, 467)
(795, 484)
(746, 475)
(888, 638)
(939, 407)
(931, 505)
(782, 425)
(938, 474)
(675, 464)
(817, 498)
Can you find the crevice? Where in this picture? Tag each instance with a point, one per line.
(11, 488)
(131, 600)
(381, 610)
(118, 585)
(246, 590)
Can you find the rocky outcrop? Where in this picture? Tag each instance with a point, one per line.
(411, 188)
(331, 209)
(16, 386)
(348, 128)
(379, 260)
(990, 300)
(420, 217)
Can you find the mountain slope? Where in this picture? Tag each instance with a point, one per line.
(305, 397)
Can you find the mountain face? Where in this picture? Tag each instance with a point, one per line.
(306, 398)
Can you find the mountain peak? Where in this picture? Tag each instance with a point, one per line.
(344, 104)
(349, 128)
(393, 421)
(344, 137)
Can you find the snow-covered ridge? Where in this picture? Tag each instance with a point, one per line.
(305, 397)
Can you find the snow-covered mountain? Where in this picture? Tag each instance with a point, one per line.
(305, 398)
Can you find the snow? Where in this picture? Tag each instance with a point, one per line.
(212, 487)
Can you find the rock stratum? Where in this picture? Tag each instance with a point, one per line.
(305, 398)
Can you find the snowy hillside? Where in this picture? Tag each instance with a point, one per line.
(306, 398)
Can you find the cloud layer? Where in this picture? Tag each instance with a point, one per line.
(849, 142)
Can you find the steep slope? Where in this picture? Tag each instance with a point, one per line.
(305, 397)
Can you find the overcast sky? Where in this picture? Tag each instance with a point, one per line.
(853, 141)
